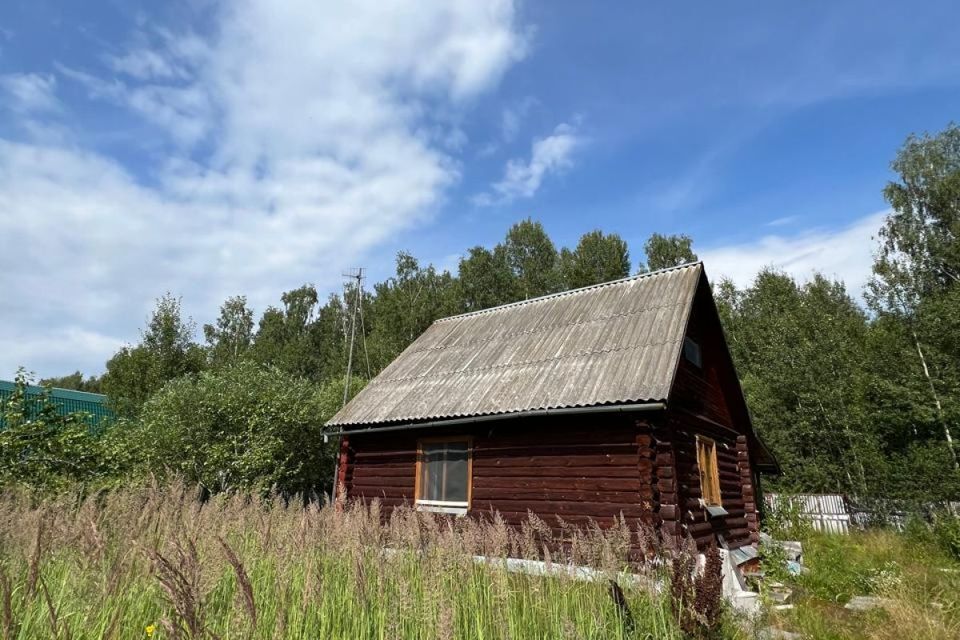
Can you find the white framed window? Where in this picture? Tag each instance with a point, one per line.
(444, 474)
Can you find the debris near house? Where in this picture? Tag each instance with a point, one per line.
(867, 603)
(772, 633)
(779, 593)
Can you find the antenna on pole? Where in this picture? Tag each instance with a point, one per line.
(353, 278)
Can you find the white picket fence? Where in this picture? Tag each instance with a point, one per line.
(828, 513)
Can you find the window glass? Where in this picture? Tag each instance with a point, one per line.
(432, 488)
(444, 471)
(691, 351)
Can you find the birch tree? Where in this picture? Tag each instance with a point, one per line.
(917, 269)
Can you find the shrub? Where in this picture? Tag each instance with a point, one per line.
(697, 597)
(785, 520)
(946, 531)
(246, 427)
(773, 559)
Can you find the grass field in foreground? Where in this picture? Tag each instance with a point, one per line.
(155, 562)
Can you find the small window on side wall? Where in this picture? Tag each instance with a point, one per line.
(691, 351)
(709, 472)
(444, 474)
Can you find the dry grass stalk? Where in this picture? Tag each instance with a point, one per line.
(180, 581)
(34, 568)
(10, 627)
(51, 609)
(246, 588)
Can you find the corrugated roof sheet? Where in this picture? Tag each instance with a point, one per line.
(615, 342)
(66, 401)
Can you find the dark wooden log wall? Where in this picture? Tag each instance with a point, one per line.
(580, 468)
(746, 481)
(702, 403)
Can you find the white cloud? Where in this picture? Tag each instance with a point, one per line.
(522, 178)
(45, 351)
(513, 116)
(845, 254)
(30, 92)
(311, 118)
(161, 55)
(783, 221)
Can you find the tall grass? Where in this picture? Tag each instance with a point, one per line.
(918, 580)
(158, 561)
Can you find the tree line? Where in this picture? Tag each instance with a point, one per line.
(858, 396)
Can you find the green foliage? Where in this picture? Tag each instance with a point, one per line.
(405, 305)
(240, 566)
(916, 283)
(532, 260)
(232, 335)
(596, 258)
(485, 279)
(785, 520)
(44, 450)
(918, 582)
(799, 350)
(242, 427)
(919, 254)
(286, 337)
(166, 351)
(840, 570)
(667, 251)
(946, 531)
(75, 381)
(773, 559)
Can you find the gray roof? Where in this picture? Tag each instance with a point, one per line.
(616, 342)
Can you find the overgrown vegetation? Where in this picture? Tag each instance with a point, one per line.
(240, 427)
(41, 448)
(156, 561)
(696, 595)
(918, 581)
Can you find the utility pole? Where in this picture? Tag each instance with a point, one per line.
(352, 279)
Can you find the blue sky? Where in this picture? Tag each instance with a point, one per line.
(212, 149)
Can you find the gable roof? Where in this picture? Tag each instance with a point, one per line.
(612, 343)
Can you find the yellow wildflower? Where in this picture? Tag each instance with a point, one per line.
(150, 629)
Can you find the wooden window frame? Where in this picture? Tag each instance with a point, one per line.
(441, 506)
(709, 495)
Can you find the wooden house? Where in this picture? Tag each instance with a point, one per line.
(618, 398)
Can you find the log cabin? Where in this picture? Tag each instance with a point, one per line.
(614, 399)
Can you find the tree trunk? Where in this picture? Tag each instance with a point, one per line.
(936, 401)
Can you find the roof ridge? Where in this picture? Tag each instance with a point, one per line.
(568, 292)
